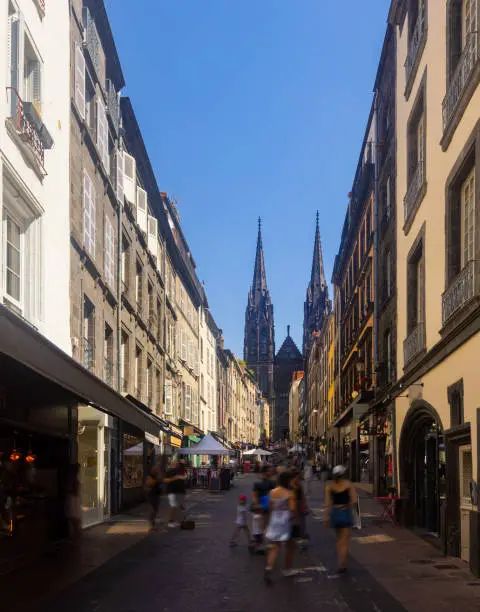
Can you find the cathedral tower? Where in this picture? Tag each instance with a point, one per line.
(259, 344)
(317, 303)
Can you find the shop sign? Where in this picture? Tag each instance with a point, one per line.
(176, 430)
(152, 439)
(174, 441)
(188, 430)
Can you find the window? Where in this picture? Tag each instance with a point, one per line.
(142, 209)
(13, 258)
(151, 307)
(416, 169)
(182, 299)
(388, 274)
(89, 214)
(159, 388)
(201, 349)
(119, 162)
(125, 262)
(138, 373)
(188, 402)
(124, 360)
(455, 399)
(14, 54)
(168, 397)
(109, 253)
(159, 330)
(32, 73)
(202, 385)
(88, 334)
(388, 199)
(388, 357)
(130, 178)
(139, 286)
(467, 211)
(108, 355)
(102, 135)
(415, 288)
(150, 387)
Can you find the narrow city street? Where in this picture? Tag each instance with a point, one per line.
(177, 571)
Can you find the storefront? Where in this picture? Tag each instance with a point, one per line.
(376, 454)
(95, 458)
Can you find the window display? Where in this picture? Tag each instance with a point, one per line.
(133, 451)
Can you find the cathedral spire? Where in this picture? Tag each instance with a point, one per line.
(317, 280)
(259, 285)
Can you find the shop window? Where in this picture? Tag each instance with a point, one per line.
(133, 451)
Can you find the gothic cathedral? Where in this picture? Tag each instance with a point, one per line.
(317, 304)
(259, 344)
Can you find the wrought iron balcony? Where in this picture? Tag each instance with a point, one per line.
(416, 183)
(91, 38)
(108, 371)
(415, 44)
(28, 126)
(461, 290)
(414, 343)
(113, 105)
(460, 78)
(89, 354)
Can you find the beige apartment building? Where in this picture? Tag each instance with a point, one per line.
(438, 281)
(293, 408)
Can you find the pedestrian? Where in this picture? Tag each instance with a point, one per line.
(175, 482)
(299, 531)
(308, 476)
(283, 511)
(261, 492)
(241, 523)
(258, 528)
(340, 498)
(73, 510)
(154, 492)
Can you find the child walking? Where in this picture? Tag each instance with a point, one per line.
(241, 523)
(258, 528)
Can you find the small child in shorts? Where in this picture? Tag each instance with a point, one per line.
(241, 524)
(258, 526)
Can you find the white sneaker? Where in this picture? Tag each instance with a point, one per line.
(172, 525)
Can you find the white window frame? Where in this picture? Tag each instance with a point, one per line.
(19, 303)
(467, 217)
(109, 262)
(89, 214)
(168, 397)
(120, 161)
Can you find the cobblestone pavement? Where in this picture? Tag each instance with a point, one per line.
(182, 571)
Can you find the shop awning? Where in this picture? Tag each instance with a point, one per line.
(22, 343)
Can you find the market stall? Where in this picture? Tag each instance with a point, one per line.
(208, 477)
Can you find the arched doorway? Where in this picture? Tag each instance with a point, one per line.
(422, 467)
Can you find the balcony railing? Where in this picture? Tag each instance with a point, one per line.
(415, 45)
(113, 105)
(414, 343)
(88, 354)
(92, 41)
(108, 371)
(460, 78)
(416, 183)
(28, 125)
(461, 290)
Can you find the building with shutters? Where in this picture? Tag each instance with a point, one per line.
(438, 250)
(34, 146)
(208, 334)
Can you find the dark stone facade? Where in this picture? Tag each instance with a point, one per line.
(259, 344)
(288, 360)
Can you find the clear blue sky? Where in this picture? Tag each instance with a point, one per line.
(248, 108)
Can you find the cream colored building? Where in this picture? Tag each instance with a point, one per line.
(438, 279)
(293, 414)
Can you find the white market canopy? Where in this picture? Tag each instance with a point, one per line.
(207, 446)
(257, 451)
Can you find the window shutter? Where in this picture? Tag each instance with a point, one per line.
(184, 345)
(89, 212)
(102, 135)
(109, 253)
(13, 44)
(142, 209)
(120, 172)
(130, 178)
(152, 236)
(37, 85)
(80, 81)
